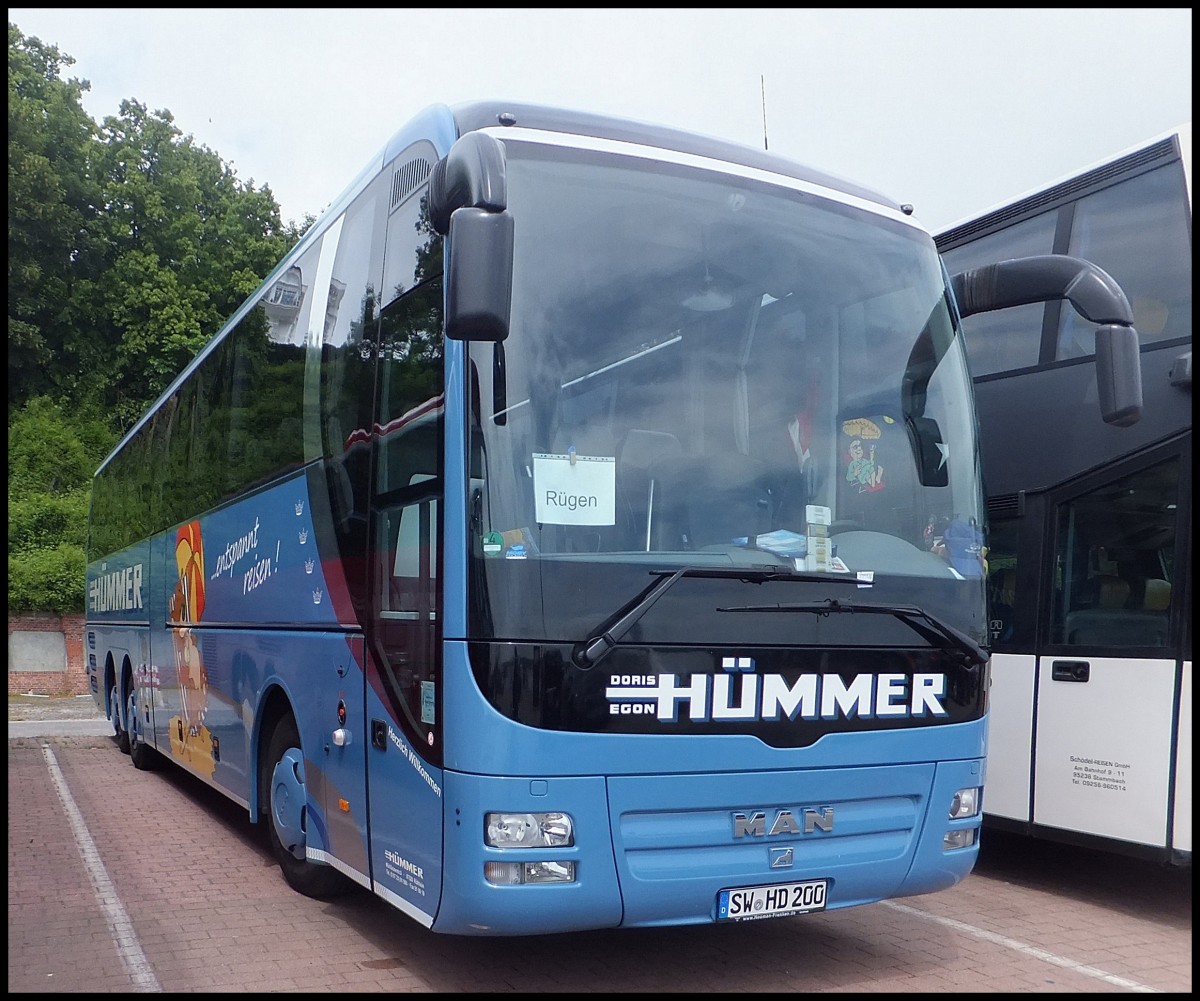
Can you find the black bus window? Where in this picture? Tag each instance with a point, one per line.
(1006, 339)
(1138, 232)
(1112, 550)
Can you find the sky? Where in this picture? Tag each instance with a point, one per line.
(952, 110)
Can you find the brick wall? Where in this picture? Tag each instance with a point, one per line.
(45, 655)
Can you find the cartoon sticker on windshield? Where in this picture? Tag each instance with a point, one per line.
(862, 468)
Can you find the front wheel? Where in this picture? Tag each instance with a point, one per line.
(286, 810)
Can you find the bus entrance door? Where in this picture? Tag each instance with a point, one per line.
(342, 752)
(1108, 678)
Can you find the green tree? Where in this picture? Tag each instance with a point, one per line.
(53, 199)
(129, 246)
(51, 458)
(129, 243)
(187, 242)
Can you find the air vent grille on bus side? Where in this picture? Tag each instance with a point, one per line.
(1004, 506)
(407, 179)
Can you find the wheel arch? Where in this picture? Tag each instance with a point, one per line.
(273, 705)
(110, 682)
(126, 678)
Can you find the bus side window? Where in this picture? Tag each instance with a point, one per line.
(1138, 232)
(1116, 544)
(1156, 595)
(413, 560)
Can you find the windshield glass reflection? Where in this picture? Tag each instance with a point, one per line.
(704, 369)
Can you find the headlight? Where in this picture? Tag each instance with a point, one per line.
(965, 803)
(529, 830)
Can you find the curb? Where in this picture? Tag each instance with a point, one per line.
(59, 728)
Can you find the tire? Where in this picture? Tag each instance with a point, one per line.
(285, 796)
(143, 756)
(119, 731)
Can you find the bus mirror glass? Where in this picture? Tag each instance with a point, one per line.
(479, 258)
(1118, 374)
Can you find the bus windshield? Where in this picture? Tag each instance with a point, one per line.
(715, 369)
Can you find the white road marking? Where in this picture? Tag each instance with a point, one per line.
(124, 936)
(1028, 950)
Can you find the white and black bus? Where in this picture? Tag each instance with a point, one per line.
(1090, 524)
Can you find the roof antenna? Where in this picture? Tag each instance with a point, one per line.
(763, 83)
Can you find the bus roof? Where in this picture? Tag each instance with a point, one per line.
(476, 115)
(1182, 134)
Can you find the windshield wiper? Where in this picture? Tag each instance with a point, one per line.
(922, 622)
(609, 633)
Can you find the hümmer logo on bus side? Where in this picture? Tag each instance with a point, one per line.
(118, 591)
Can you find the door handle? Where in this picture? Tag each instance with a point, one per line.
(1070, 670)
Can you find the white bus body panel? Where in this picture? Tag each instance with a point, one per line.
(1010, 736)
(1103, 763)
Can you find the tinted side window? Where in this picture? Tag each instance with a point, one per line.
(406, 511)
(410, 238)
(1138, 231)
(1114, 562)
(1007, 338)
(347, 368)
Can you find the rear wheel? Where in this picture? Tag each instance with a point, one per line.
(143, 756)
(286, 809)
(119, 731)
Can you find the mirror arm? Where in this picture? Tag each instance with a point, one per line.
(1095, 296)
(471, 175)
(1091, 290)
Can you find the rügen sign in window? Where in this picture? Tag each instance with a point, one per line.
(575, 489)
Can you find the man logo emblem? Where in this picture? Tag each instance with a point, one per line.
(782, 858)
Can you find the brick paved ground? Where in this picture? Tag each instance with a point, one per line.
(179, 893)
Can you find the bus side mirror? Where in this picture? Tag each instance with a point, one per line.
(468, 203)
(1118, 374)
(472, 174)
(1094, 295)
(479, 263)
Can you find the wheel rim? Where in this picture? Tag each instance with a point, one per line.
(132, 716)
(288, 798)
(114, 701)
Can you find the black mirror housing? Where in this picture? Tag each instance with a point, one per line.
(1118, 374)
(479, 269)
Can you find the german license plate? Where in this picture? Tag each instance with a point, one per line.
(748, 903)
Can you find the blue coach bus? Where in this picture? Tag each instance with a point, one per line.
(545, 544)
